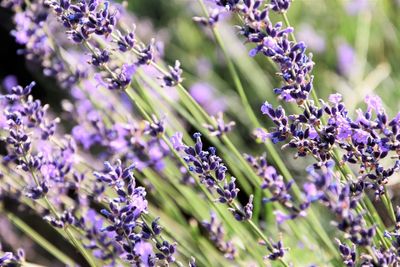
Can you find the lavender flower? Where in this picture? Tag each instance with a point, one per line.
(26, 119)
(348, 254)
(85, 18)
(339, 199)
(216, 234)
(280, 5)
(6, 258)
(222, 127)
(212, 172)
(211, 20)
(277, 250)
(126, 213)
(174, 76)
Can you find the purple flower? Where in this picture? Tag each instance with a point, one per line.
(277, 250)
(222, 127)
(145, 251)
(173, 78)
(216, 234)
(85, 138)
(361, 136)
(280, 5)
(335, 98)
(374, 103)
(6, 258)
(176, 141)
(122, 79)
(347, 253)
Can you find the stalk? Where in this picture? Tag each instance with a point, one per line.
(234, 205)
(276, 159)
(345, 169)
(40, 240)
(72, 238)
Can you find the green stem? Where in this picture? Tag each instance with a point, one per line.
(389, 205)
(276, 159)
(166, 140)
(345, 169)
(264, 238)
(72, 238)
(40, 240)
(70, 235)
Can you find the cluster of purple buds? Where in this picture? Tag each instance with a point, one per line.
(246, 213)
(102, 244)
(29, 33)
(300, 130)
(212, 172)
(38, 46)
(125, 216)
(23, 111)
(272, 41)
(210, 168)
(389, 256)
(85, 18)
(17, 138)
(205, 162)
(279, 189)
(154, 229)
(174, 77)
(10, 258)
(277, 250)
(67, 218)
(367, 140)
(120, 78)
(126, 42)
(216, 234)
(384, 257)
(228, 4)
(100, 57)
(38, 191)
(211, 20)
(167, 251)
(280, 5)
(146, 53)
(339, 200)
(27, 122)
(154, 128)
(348, 254)
(222, 127)
(126, 209)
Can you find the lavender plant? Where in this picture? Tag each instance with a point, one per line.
(126, 169)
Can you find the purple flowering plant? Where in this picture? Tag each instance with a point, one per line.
(215, 140)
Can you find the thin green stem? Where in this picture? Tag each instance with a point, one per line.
(72, 238)
(274, 155)
(344, 168)
(40, 240)
(167, 141)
